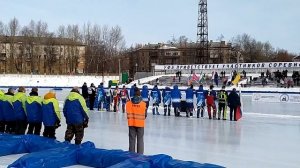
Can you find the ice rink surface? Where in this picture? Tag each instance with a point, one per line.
(267, 136)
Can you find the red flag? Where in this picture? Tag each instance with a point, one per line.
(195, 77)
(238, 113)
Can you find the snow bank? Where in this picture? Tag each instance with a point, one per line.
(9, 80)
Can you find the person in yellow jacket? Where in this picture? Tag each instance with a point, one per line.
(136, 122)
(2, 122)
(19, 109)
(51, 115)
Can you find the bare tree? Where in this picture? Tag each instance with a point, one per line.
(13, 31)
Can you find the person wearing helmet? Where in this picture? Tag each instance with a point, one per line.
(200, 101)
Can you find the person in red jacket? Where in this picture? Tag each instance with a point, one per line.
(211, 96)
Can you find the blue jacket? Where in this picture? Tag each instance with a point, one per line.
(145, 93)
(19, 106)
(1, 101)
(101, 93)
(131, 93)
(176, 96)
(155, 95)
(200, 96)
(189, 95)
(75, 109)
(51, 113)
(33, 109)
(7, 108)
(167, 96)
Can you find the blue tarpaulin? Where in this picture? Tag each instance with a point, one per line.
(44, 152)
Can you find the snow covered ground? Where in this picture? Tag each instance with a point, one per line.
(9, 80)
(267, 136)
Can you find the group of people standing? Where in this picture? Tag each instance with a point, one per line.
(19, 111)
(172, 98)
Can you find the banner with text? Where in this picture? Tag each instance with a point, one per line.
(262, 65)
(276, 97)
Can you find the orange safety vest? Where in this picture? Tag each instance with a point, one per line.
(136, 114)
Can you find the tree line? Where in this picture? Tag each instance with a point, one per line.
(103, 44)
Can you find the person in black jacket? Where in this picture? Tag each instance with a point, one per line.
(233, 102)
(92, 95)
(84, 90)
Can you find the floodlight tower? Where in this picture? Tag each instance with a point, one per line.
(202, 33)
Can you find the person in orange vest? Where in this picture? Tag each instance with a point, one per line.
(136, 122)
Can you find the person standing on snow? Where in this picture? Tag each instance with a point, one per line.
(124, 97)
(92, 95)
(167, 101)
(116, 95)
(76, 114)
(131, 92)
(33, 108)
(51, 115)
(176, 99)
(145, 96)
(222, 98)
(19, 104)
(136, 122)
(84, 91)
(100, 97)
(156, 99)
(2, 122)
(210, 101)
(8, 111)
(200, 101)
(108, 98)
(189, 101)
(233, 102)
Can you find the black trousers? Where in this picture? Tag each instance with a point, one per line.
(21, 126)
(167, 109)
(2, 126)
(77, 130)
(49, 132)
(10, 127)
(136, 134)
(222, 110)
(92, 101)
(34, 128)
(232, 113)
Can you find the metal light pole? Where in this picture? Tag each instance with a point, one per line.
(120, 75)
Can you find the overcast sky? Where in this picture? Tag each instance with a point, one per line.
(143, 21)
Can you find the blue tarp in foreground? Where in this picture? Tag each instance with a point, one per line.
(44, 152)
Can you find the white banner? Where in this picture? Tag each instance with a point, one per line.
(262, 65)
(276, 97)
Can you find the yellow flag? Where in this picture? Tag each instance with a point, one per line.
(237, 79)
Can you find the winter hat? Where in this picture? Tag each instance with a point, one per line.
(21, 89)
(50, 95)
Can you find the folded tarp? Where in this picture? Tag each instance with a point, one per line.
(44, 152)
(54, 158)
(106, 158)
(11, 145)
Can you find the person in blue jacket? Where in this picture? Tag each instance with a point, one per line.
(2, 122)
(156, 99)
(131, 92)
(100, 97)
(8, 111)
(76, 114)
(189, 101)
(33, 108)
(51, 115)
(19, 104)
(145, 96)
(200, 101)
(176, 99)
(167, 101)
